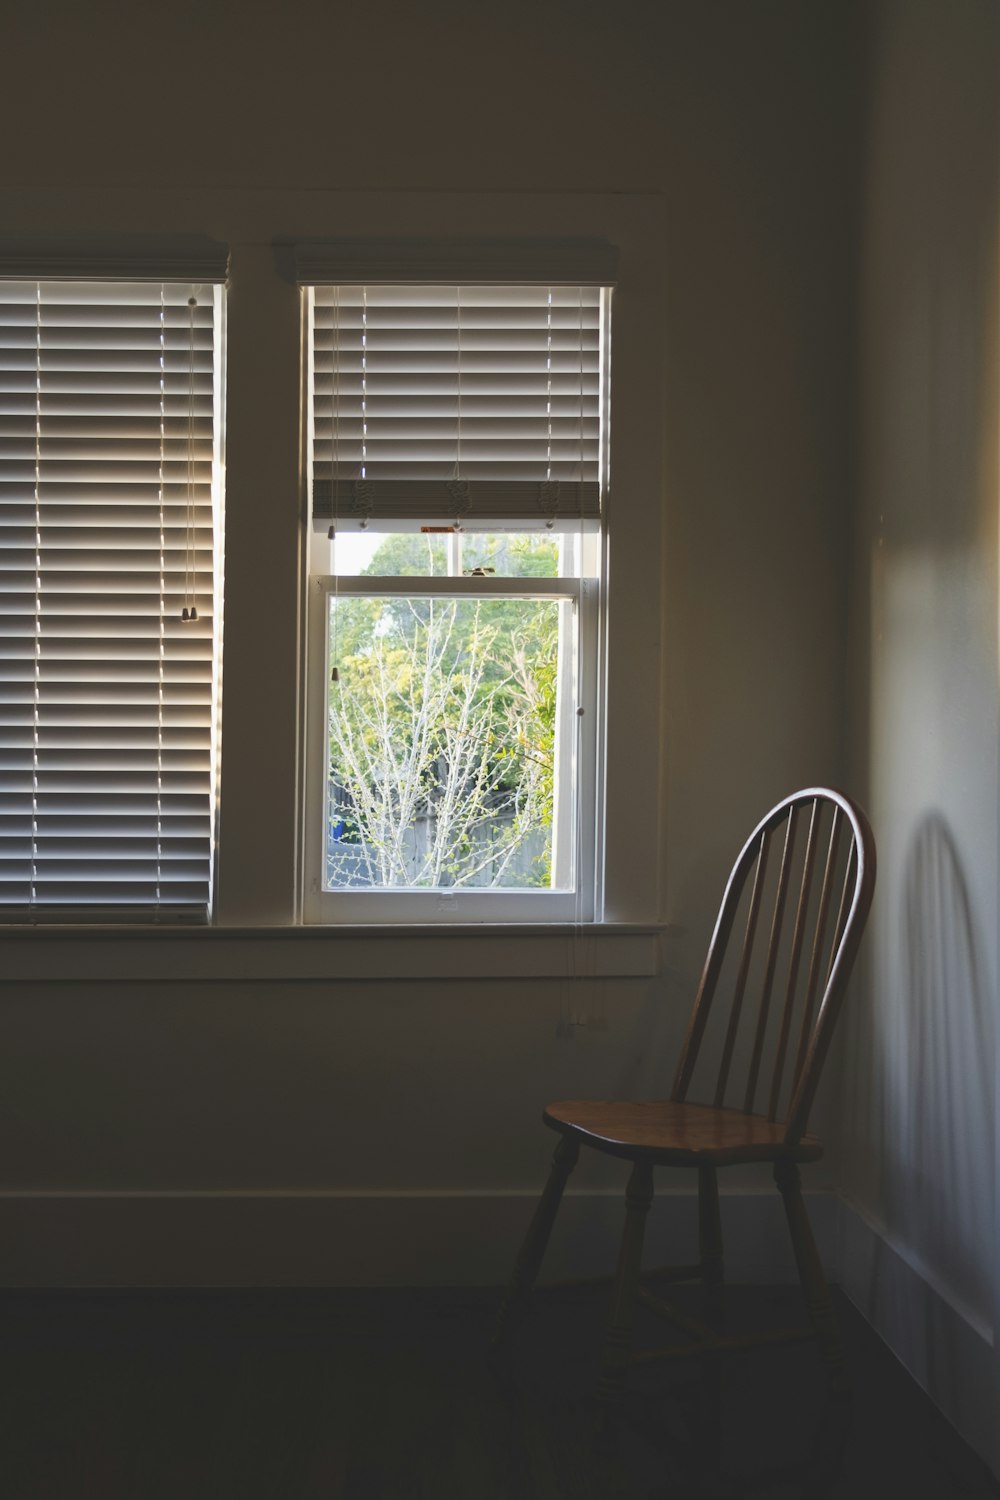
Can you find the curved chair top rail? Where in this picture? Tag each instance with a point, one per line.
(804, 908)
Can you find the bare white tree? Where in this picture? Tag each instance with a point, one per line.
(436, 724)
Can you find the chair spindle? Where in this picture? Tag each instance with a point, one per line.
(842, 913)
(822, 916)
(756, 896)
(772, 960)
(794, 959)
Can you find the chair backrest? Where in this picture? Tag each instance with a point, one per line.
(798, 897)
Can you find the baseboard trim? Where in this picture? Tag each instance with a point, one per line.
(362, 1239)
(944, 1346)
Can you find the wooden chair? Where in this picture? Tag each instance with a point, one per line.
(784, 943)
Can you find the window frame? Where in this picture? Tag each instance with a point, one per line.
(482, 263)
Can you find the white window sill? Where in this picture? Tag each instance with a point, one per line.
(34, 955)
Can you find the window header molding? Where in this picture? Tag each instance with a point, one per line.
(192, 258)
(459, 261)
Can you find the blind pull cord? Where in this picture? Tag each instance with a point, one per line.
(458, 487)
(190, 609)
(548, 490)
(335, 476)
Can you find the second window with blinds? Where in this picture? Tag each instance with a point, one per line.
(110, 480)
(458, 442)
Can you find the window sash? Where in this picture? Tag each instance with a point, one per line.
(108, 461)
(578, 727)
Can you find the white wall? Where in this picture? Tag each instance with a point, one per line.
(162, 1080)
(919, 1116)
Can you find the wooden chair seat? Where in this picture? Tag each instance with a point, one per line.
(677, 1134)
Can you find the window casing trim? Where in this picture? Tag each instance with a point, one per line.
(429, 260)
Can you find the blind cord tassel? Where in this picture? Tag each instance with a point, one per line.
(458, 489)
(548, 501)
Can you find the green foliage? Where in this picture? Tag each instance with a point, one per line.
(410, 555)
(442, 729)
(425, 554)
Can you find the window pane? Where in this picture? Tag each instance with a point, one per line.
(443, 765)
(432, 553)
(512, 554)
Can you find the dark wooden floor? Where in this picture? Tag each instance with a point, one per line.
(315, 1395)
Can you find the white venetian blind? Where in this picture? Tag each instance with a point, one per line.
(107, 456)
(432, 400)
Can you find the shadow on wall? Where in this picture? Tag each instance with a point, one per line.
(939, 1100)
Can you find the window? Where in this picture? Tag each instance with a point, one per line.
(457, 449)
(109, 488)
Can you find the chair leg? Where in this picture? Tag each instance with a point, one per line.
(712, 1295)
(529, 1258)
(810, 1268)
(617, 1344)
(710, 1240)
